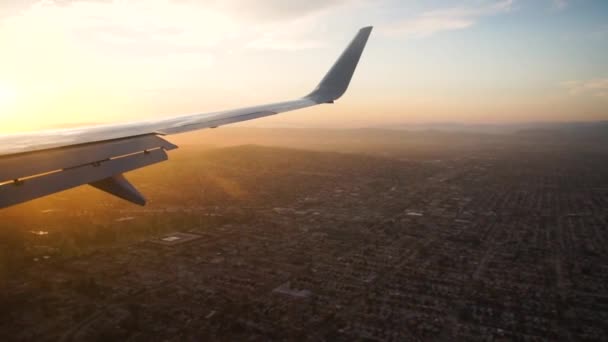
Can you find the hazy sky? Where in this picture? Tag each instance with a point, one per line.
(71, 62)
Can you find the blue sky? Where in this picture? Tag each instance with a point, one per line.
(70, 62)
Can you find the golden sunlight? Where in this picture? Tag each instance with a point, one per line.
(8, 96)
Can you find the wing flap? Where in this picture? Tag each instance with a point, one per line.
(119, 186)
(22, 191)
(31, 164)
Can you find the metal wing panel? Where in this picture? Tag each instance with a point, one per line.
(200, 121)
(18, 192)
(30, 164)
(337, 79)
(28, 142)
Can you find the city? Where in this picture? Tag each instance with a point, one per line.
(502, 240)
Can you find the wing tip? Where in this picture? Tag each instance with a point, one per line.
(336, 81)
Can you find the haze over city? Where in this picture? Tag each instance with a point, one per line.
(68, 63)
(457, 190)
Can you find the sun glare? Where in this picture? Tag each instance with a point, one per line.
(7, 96)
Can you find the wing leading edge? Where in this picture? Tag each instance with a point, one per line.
(37, 164)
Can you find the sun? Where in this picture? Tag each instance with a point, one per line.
(8, 96)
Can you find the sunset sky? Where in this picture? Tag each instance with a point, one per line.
(70, 62)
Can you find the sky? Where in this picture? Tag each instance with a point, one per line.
(74, 62)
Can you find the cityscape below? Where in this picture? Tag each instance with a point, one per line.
(364, 235)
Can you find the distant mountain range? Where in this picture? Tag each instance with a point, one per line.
(596, 127)
(579, 131)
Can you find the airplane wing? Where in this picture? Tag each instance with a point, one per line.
(34, 165)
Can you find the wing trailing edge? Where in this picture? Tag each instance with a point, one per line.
(99, 164)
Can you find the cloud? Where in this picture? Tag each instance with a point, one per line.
(431, 22)
(152, 24)
(274, 10)
(52, 48)
(251, 10)
(296, 34)
(289, 25)
(156, 26)
(594, 87)
(559, 4)
(277, 40)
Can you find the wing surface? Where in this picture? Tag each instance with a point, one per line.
(37, 164)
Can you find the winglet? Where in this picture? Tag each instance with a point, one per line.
(336, 81)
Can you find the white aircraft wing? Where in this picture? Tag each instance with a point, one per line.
(37, 164)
